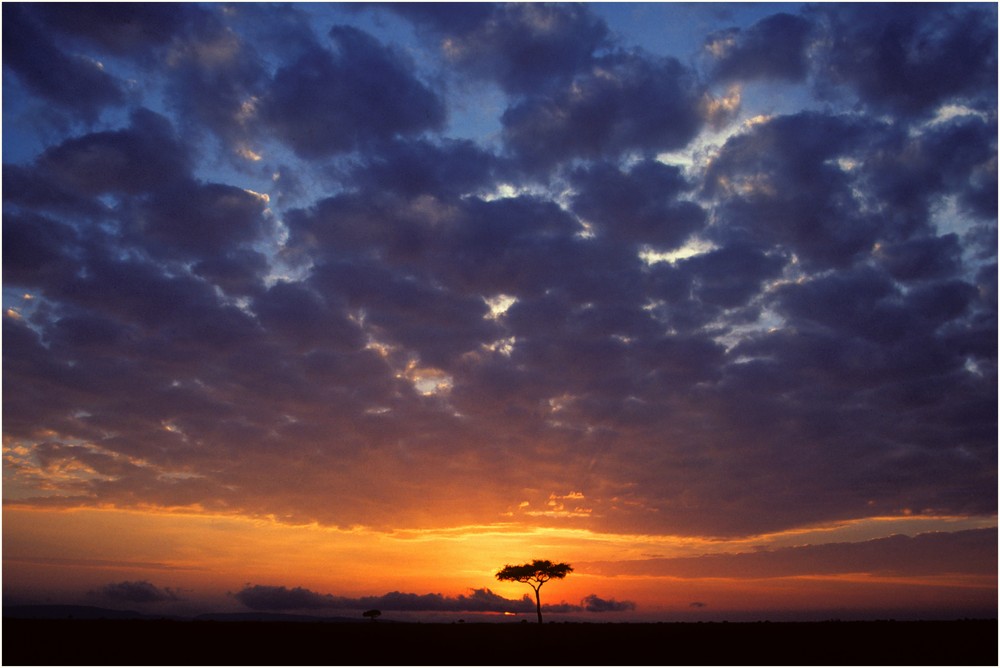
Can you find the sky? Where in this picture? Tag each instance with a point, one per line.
(321, 308)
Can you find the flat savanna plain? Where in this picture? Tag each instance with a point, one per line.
(161, 642)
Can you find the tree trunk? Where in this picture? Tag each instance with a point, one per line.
(538, 603)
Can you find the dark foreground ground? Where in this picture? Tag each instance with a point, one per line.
(143, 642)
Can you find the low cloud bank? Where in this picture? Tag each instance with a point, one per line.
(140, 591)
(267, 597)
(594, 603)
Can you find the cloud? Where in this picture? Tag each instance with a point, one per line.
(954, 156)
(963, 552)
(772, 48)
(625, 101)
(144, 157)
(199, 220)
(213, 80)
(523, 47)
(730, 276)
(798, 197)
(140, 591)
(644, 206)
(922, 258)
(418, 168)
(76, 84)
(797, 326)
(265, 597)
(261, 597)
(331, 102)
(125, 29)
(911, 61)
(594, 603)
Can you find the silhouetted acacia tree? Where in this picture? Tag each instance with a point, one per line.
(371, 614)
(535, 574)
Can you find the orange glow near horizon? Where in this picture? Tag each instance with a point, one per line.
(214, 555)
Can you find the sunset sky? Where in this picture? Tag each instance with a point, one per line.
(321, 308)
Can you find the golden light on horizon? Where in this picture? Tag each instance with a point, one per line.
(214, 555)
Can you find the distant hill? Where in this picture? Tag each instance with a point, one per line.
(70, 612)
(273, 617)
(92, 612)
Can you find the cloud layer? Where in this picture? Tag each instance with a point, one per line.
(140, 591)
(270, 598)
(252, 274)
(962, 552)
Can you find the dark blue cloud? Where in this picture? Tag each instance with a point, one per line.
(36, 250)
(213, 78)
(864, 303)
(773, 48)
(76, 84)
(644, 206)
(413, 168)
(922, 258)
(909, 59)
(305, 319)
(625, 101)
(513, 245)
(27, 187)
(782, 183)
(730, 276)
(144, 157)
(909, 173)
(437, 323)
(331, 102)
(198, 220)
(524, 47)
(123, 29)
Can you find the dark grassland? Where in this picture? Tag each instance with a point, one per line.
(144, 642)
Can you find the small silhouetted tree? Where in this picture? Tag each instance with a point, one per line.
(371, 614)
(535, 574)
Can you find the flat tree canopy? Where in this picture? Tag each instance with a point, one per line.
(535, 574)
(539, 570)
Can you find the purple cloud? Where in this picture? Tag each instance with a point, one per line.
(140, 591)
